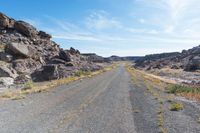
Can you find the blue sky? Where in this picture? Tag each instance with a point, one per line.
(113, 27)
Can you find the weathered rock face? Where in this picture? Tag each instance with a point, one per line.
(31, 55)
(17, 49)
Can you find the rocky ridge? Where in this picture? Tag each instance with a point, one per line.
(28, 54)
(188, 60)
(181, 67)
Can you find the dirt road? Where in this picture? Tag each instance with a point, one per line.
(107, 103)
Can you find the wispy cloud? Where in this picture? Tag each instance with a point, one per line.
(155, 26)
(100, 20)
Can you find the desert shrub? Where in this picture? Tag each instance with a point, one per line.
(28, 85)
(176, 106)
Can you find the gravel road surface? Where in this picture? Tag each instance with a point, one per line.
(107, 103)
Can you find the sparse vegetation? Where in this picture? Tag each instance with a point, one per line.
(175, 89)
(13, 95)
(150, 83)
(175, 106)
(185, 91)
(28, 85)
(82, 73)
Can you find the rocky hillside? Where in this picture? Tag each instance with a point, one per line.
(28, 54)
(189, 60)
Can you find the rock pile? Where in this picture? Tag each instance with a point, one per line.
(27, 54)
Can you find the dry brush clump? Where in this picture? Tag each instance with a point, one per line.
(175, 106)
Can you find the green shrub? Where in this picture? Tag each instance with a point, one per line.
(176, 106)
(182, 89)
(28, 85)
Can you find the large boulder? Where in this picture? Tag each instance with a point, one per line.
(26, 29)
(48, 72)
(64, 55)
(44, 35)
(7, 71)
(18, 49)
(5, 22)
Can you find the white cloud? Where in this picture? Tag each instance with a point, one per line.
(142, 31)
(101, 20)
(142, 21)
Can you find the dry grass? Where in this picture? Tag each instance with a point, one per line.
(191, 96)
(13, 95)
(31, 87)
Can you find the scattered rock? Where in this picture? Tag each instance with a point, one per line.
(23, 78)
(6, 57)
(26, 66)
(7, 71)
(6, 81)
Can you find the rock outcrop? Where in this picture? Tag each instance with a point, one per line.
(28, 54)
(189, 60)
